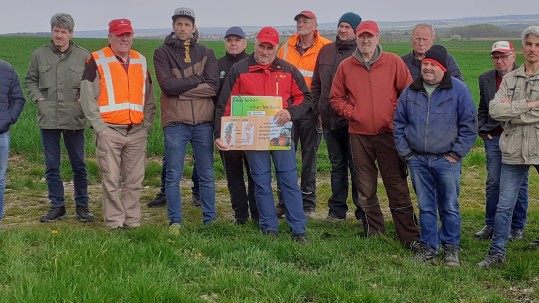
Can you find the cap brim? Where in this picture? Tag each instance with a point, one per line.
(302, 15)
(185, 16)
(242, 37)
(262, 40)
(122, 31)
(503, 51)
(374, 33)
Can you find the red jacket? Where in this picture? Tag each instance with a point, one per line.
(248, 78)
(368, 98)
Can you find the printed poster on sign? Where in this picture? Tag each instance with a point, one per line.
(256, 133)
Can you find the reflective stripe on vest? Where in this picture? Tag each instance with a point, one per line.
(134, 104)
(285, 50)
(306, 73)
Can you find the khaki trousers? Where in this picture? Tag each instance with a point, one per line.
(367, 152)
(122, 161)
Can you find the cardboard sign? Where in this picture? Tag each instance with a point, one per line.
(255, 133)
(252, 126)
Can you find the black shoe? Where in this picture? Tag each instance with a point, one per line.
(485, 233)
(535, 243)
(84, 214)
(196, 200)
(451, 255)
(423, 253)
(300, 238)
(413, 246)
(516, 234)
(280, 211)
(240, 221)
(492, 259)
(159, 201)
(55, 213)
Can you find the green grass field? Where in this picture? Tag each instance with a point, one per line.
(73, 262)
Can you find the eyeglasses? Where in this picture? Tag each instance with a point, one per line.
(496, 58)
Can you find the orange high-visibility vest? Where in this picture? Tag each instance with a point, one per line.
(121, 97)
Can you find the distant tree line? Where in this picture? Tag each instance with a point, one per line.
(479, 31)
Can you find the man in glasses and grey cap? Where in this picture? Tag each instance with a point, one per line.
(242, 199)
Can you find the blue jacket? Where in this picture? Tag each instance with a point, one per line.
(11, 97)
(443, 124)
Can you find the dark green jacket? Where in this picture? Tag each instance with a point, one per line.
(55, 77)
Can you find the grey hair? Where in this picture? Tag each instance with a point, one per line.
(427, 26)
(64, 21)
(531, 30)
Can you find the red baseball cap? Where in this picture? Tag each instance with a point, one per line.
(119, 27)
(306, 14)
(503, 47)
(368, 26)
(268, 34)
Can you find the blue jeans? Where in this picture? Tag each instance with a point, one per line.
(511, 177)
(177, 136)
(194, 177)
(436, 182)
(4, 155)
(494, 166)
(340, 156)
(74, 143)
(284, 162)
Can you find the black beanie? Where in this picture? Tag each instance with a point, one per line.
(351, 18)
(438, 55)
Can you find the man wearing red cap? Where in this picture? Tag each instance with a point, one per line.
(435, 127)
(263, 74)
(301, 50)
(117, 99)
(503, 58)
(365, 91)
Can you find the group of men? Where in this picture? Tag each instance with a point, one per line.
(377, 111)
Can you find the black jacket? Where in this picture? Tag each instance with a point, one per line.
(329, 58)
(225, 64)
(487, 90)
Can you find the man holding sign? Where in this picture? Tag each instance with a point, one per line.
(263, 74)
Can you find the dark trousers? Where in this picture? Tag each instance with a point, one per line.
(194, 177)
(308, 133)
(74, 143)
(367, 152)
(242, 199)
(340, 156)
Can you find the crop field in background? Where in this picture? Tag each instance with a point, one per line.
(73, 262)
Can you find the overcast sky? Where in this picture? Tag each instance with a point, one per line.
(34, 15)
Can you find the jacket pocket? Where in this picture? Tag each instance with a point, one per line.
(46, 111)
(45, 76)
(511, 143)
(76, 73)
